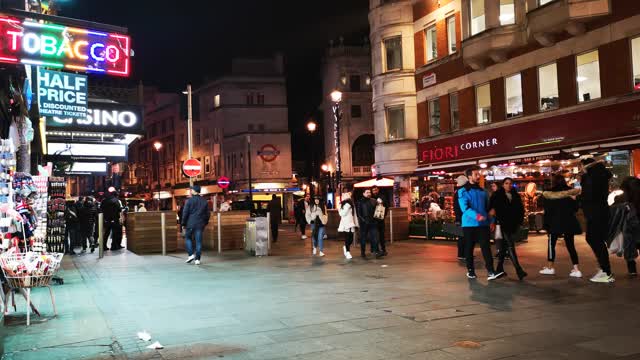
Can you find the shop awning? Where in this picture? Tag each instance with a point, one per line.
(384, 182)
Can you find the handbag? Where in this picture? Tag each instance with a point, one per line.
(498, 233)
(379, 212)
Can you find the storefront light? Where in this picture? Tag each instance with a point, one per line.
(576, 154)
(483, 166)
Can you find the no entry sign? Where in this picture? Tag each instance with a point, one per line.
(192, 168)
(223, 182)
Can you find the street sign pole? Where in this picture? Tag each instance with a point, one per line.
(190, 126)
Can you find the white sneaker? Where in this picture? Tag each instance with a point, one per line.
(197, 262)
(602, 277)
(576, 273)
(548, 271)
(190, 259)
(349, 256)
(304, 237)
(321, 254)
(344, 251)
(315, 251)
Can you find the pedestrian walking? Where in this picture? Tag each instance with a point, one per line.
(368, 228)
(625, 222)
(560, 207)
(112, 209)
(460, 182)
(226, 206)
(474, 203)
(142, 208)
(347, 211)
(595, 189)
(88, 220)
(302, 206)
(316, 216)
(509, 212)
(195, 216)
(275, 211)
(72, 228)
(380, 223)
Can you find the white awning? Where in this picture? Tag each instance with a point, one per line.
(384, 182)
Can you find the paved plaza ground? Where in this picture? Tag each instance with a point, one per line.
(415, 304)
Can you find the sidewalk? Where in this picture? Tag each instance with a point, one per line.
(416, 304)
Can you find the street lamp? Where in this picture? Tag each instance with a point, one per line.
(312, 127)
(336, 98)
(158, 145)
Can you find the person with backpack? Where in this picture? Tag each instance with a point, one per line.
(347, 211)
(317, 217)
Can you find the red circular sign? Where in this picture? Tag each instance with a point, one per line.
(223, 182)
(269, 153)
(192, 168)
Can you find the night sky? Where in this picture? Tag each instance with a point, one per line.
(178, 42)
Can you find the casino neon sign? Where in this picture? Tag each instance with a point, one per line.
(59, 46)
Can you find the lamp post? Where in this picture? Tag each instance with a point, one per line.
(158, 145)
(189, 94)
(312, 127)
(336, 98)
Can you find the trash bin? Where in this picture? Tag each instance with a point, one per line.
(256, 236)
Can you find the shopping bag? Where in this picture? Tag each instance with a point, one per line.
(379, 212)
(617, 245)
(498, 233)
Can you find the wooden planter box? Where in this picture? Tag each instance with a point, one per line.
(144, 232)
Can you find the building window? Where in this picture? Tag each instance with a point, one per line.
(395, 123)
(249, 98)
(207, 164)
(356, 111)
(261, 127)
(635, 54)
(507, 12)
(451, 35)
(216, 101)
(588, 71)
(251, 127)
(455, 112)
(198, 138)
(478, 24)
(483, 104)
(354, 83)
(393, 53)
(434, 117)
(432, 43)
(260, 99)
(548, 83)
(513, 92)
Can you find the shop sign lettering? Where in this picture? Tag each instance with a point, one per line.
(102, 117)
(62, 94)
(429, 80)
(454, 151)
(63, 47)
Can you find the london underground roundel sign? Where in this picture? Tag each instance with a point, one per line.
(223, 182)
(192, 168)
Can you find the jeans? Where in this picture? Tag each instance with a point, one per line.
(571, 247)
(479, 234)
(597, 229)
(189, 234)
(368, 231)
(318, 239)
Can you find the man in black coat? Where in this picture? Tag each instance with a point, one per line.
(88, 214)
(195, 217)
(595, 189)
(275, 211)
(379, 198)
(300, 209)
(111, 209)
(368, 227)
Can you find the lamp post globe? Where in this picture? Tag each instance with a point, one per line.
(312, 126)
(336, 96)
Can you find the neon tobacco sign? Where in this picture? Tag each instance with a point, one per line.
(63, 47)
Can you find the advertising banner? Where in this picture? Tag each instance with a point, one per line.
(62, 94)
(63, 47)
(102, 117)
(88, 152)
(81, 168)
(553, 132)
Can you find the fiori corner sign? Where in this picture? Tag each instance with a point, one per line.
(62, 94)
(58, 46)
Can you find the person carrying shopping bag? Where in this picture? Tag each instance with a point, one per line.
(317, 217)
(348, 223)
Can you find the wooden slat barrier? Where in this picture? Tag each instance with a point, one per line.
(144, 232)
(232, 225)
(399, 216)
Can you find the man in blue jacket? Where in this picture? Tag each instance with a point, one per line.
(195, 216)
(474, 204)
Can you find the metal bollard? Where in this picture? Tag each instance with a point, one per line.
(219, 234)
(268, 231)
(390, 225)
(100, 235)
(163, 228)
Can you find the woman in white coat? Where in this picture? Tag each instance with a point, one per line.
(348, 224)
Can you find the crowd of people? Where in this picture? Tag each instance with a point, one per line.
(613, 228)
